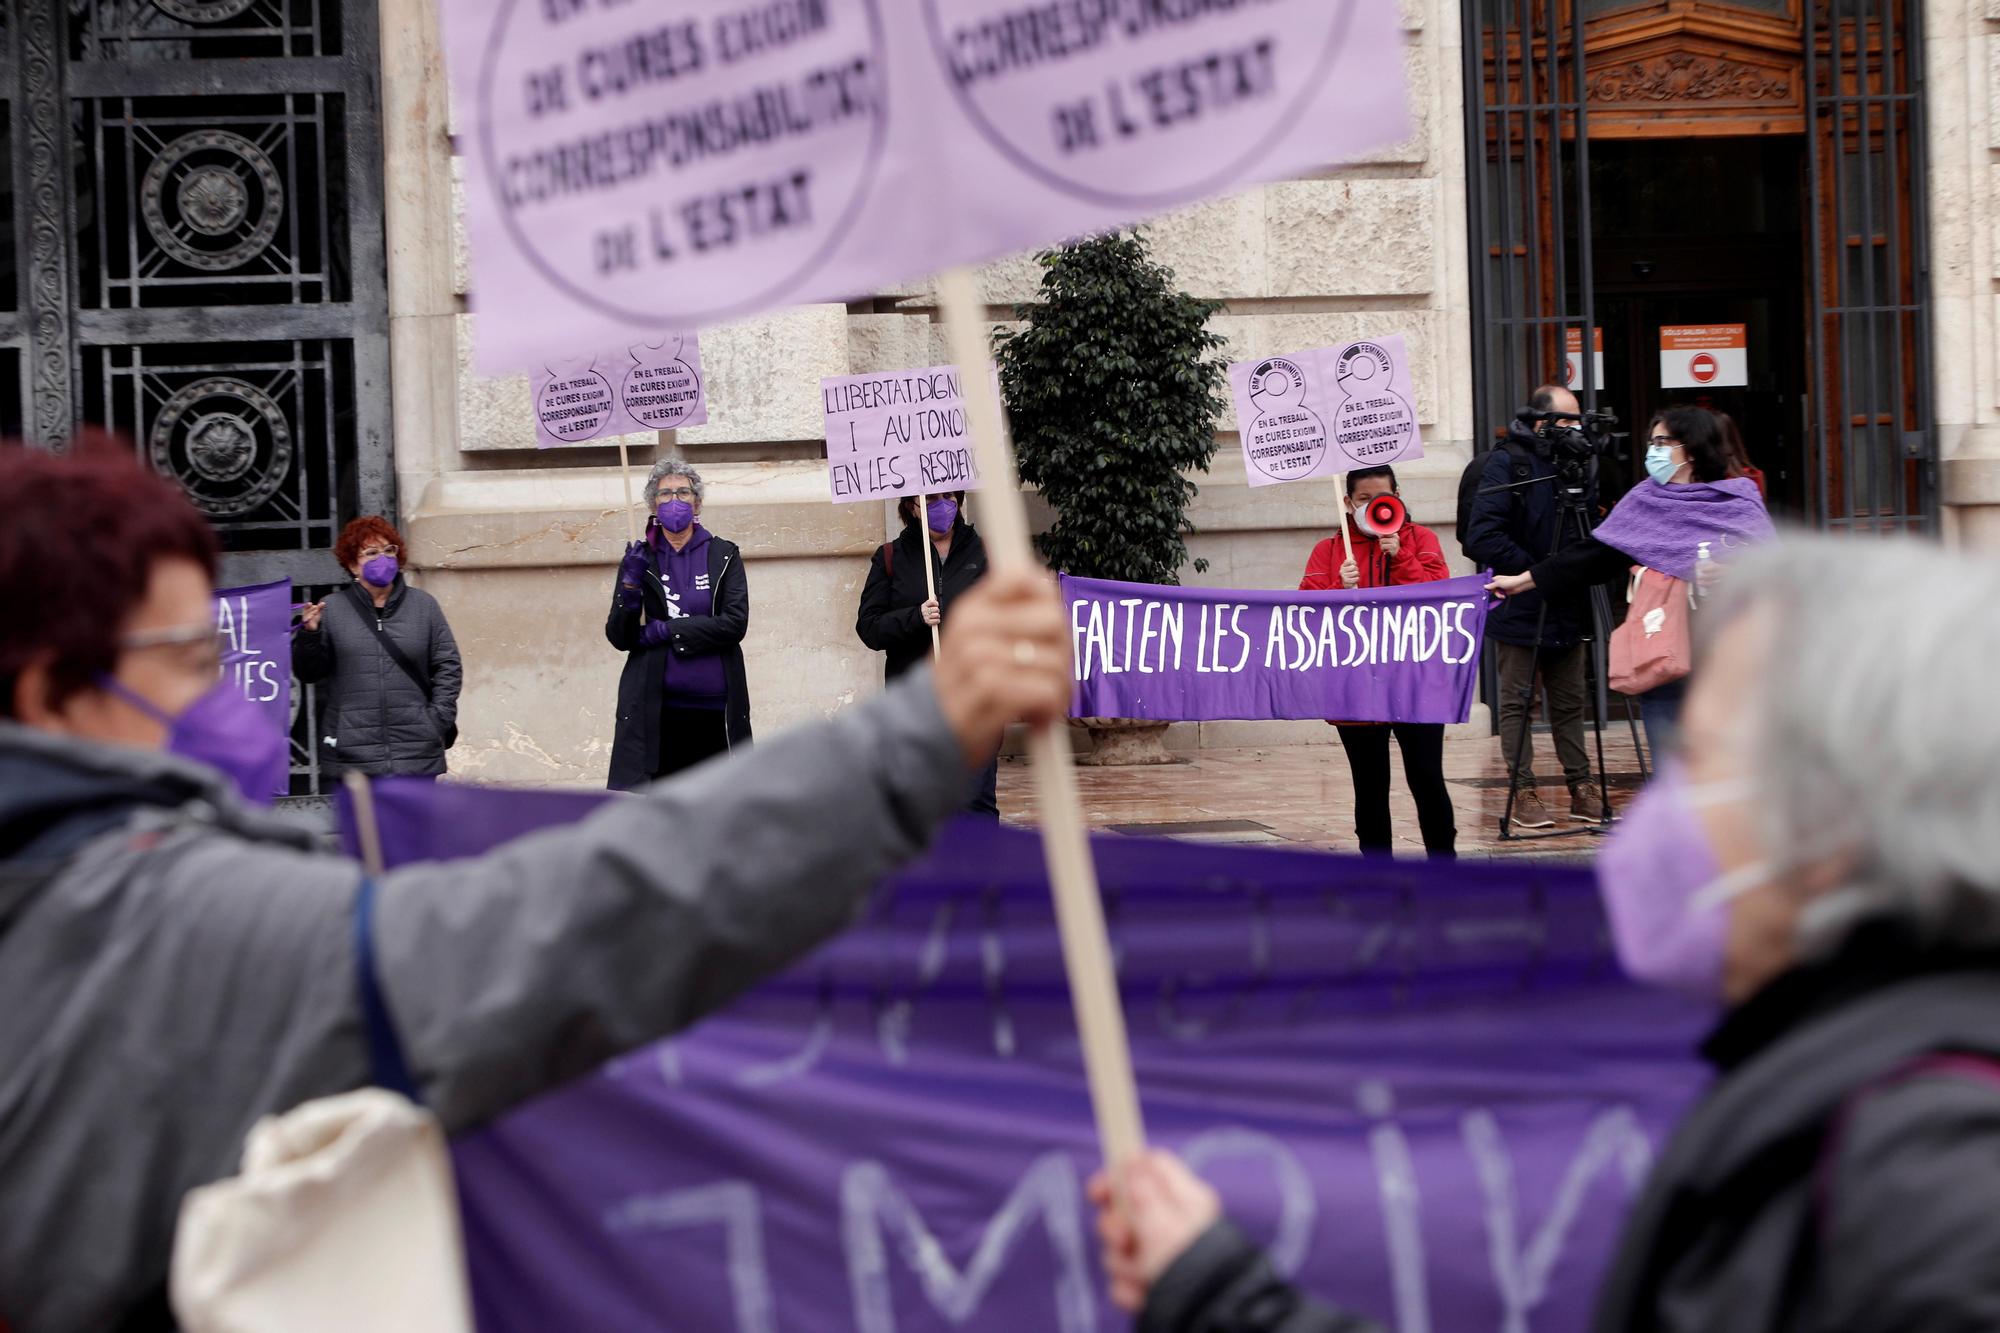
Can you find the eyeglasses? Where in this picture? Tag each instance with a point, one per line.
(678, 493)
(202, 635)
(1662, 439)
(370, 552)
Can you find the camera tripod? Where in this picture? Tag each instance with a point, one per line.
(1570, 522)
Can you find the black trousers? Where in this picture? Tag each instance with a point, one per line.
(1422, 744)
(688, 736)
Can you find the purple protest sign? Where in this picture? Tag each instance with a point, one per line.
(630, 165)
(651, 385)
(1325, 412)
(896, 433)
(1425, 1088)
(1397, 654)
(255, 625)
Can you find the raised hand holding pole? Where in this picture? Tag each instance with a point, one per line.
(1093, 984)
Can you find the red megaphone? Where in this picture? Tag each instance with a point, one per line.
(1381, 516)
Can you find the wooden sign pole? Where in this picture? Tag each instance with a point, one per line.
(1086, 946)
(930, 574)
(625, 471)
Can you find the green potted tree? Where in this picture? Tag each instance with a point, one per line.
(1113, 389)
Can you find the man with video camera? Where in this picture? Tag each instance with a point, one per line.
(1511, 519)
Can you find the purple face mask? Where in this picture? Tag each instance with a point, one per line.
(379, 571)
(941, 514)
(675, 515)
(225, 731)
(1667, 898)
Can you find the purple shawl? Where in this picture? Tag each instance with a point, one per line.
(1661, 527)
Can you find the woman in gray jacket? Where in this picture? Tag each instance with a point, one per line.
(388, 659)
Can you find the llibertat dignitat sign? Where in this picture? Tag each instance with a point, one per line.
(1399, 654)
(652, 385)
(629, 166)
(895, 433)
(1325, 412)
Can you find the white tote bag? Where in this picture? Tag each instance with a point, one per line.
(343, 1221)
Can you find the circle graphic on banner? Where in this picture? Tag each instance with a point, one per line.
(1374, 424)
(574, 407)
(1702, 368)
(660, 391)
(1287, 440)
(1185, 98)
(657, 213)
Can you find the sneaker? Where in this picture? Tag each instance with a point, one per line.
(1529, 812)
(1587, 804)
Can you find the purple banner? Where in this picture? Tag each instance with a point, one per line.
(1399, 654)
(1426, 1089)
(651, 385)
(255, 625)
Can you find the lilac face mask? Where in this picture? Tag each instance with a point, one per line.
(225, 731)
(1667, 898)
(941, 514)
(675, 515)
(379, 571)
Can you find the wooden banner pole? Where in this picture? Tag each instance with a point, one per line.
(625, 471)
(930, 574)
(1346, 541)
(1086, 946)
(367, 833)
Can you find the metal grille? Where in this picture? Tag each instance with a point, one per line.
(193, 191)
(1874, 431)
(1528, 150)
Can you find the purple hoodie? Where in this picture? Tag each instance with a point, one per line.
(693, 680)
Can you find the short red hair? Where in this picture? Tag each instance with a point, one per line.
(81, 535)
(359, 533)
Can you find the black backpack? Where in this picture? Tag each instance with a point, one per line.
(1474, 476)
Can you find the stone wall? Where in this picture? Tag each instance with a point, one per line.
(1962, 103)
(520, 546)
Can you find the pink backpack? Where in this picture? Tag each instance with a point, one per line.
(1653, 646)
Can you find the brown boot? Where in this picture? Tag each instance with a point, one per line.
(1529, 812)
(1587, 804)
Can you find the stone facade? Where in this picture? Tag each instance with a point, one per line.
(519, 545)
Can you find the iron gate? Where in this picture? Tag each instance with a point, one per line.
(1873, 427)
(193, 191)
(1527, 151)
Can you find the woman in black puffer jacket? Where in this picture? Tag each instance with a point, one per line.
(387, 659)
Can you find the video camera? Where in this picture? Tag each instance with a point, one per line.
(1570, 448)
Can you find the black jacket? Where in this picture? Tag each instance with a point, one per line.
(891, 618)
(1835, 1177)
(377, 718)
(1510, 530)
(635, 745)
(1841, 1176)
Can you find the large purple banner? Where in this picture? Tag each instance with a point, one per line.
(1400, 654)
(1426, 1089)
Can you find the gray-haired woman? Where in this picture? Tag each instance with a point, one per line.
(1822, 859)
(679, 611)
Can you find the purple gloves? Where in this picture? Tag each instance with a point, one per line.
(655, 633)
(631, 575)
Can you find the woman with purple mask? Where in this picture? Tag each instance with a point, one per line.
(899, 614)
(679, 611)
(1819, 864)
(386, 659)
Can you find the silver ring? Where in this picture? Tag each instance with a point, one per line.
(1024, 652)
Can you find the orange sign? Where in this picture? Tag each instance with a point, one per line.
(1704, 356)
(1573, 358)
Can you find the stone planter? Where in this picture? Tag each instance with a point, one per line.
(1121, 742)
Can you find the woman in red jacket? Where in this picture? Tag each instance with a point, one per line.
(1411, 554)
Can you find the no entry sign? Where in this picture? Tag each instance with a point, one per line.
(1573, 358)
(1703, 356)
